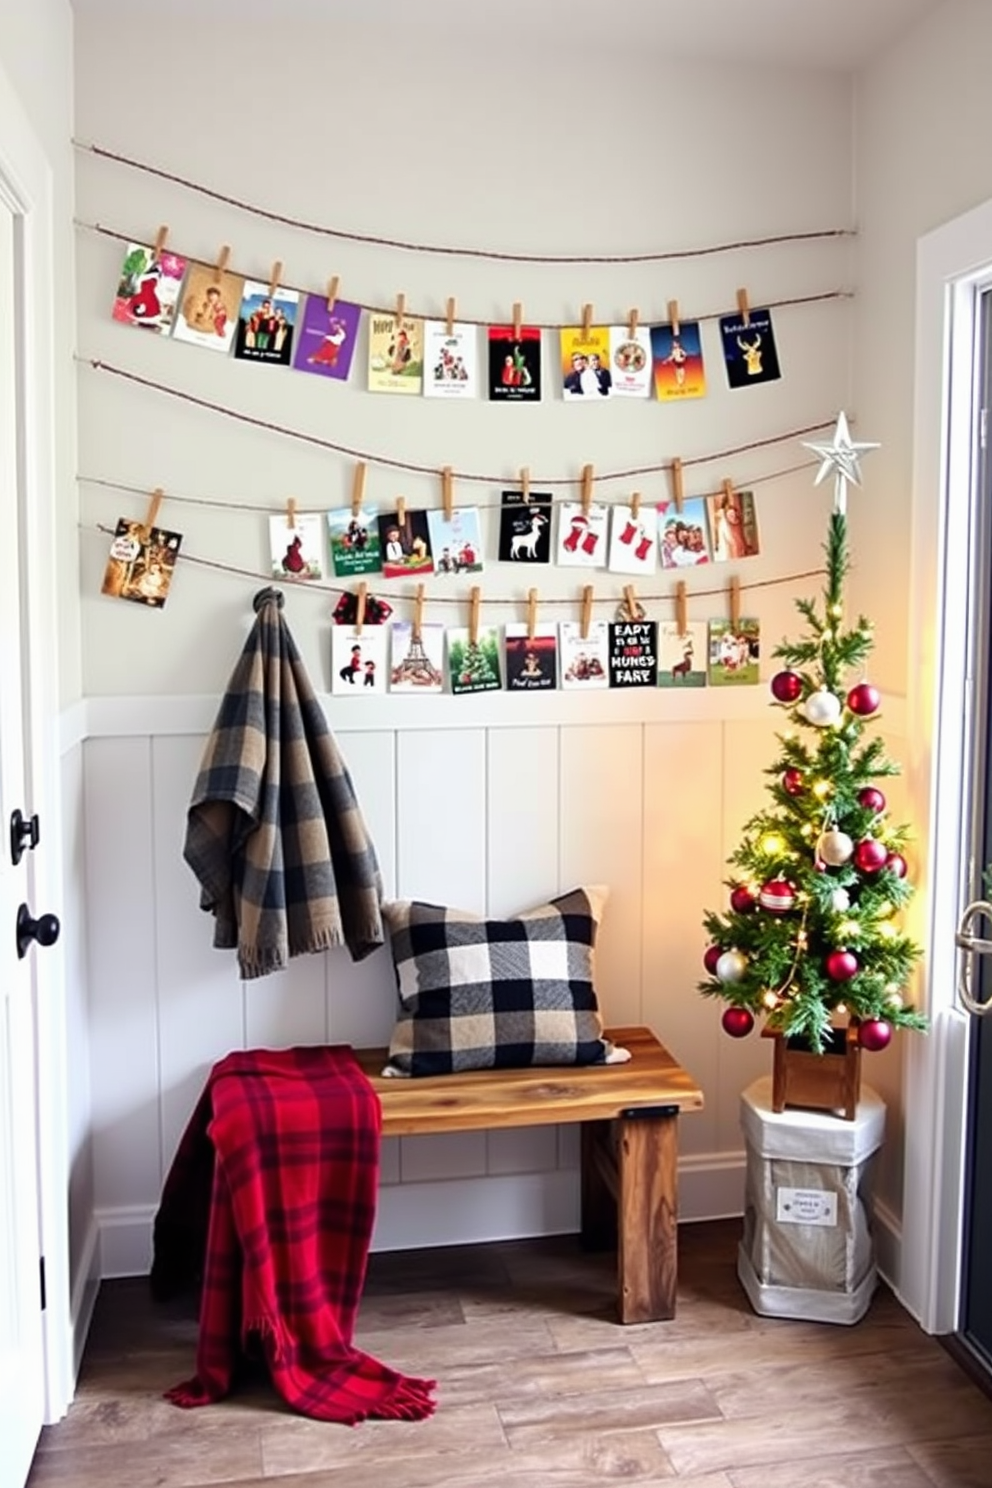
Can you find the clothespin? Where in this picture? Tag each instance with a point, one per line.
(735, 602)
(678, 486)
(475, 600)
(728, 489)
(222, 261)
(449, 319)
(332, 293)
(630, 601)
(446, 491)
(401, 510)
(518, 315)
(160, 238)
(681, 619)
(525, 482)
(632, 323)
(743, 306)
(274, 278)
(586, 321)
(531, 613)
(358, 488)
(291, 513)
(400, 309)
(586, 611)
(363, 590)
(151, 515)
(635, 505)
(586, 489)
(418, 612)
(673, 317)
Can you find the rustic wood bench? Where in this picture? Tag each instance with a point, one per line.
(629, 1115)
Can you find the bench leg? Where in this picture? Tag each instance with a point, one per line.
(647, 1212)
(599, 1189)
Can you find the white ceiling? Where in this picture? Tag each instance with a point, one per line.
(842, 34)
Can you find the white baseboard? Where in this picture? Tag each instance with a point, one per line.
(84, 1293)
(886, 1229)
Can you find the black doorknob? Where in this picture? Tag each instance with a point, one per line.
(45, 930)
(24, 835)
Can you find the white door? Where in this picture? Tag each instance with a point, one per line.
(22, 1380)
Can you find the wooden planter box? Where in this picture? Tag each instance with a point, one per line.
(820, 1082)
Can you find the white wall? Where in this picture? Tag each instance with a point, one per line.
(645, 793)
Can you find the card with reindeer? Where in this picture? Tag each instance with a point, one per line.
(297, 543)
(682, 654)
(633, 539)
(749, 350)
(582, 535)
(525, 527)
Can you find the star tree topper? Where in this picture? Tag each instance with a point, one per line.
(841, 458)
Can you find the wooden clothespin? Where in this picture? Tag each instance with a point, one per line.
(586, 611)
(401, 510)
(673, 317)
(632, 323)
(586, 489)
(332, 293)
(400, 309)
(363, 591)
(358, 488)
(525, 482)
(586, 321)
(727, 488)
(446, 491)
(531, 613)
(418, 612)
(449, 318)
(678, 485)
(274, 278)
(735, 602)
(630, 601)
(160, 238)
(291, 513)
(518, 315)
(151, 515)
(635, 505)
(681, 619)
(743, 306)
(223, 258)
(475, 600)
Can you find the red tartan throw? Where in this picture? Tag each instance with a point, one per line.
(271, 1199)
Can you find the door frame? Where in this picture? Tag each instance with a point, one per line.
(953, 262)
(27, 179)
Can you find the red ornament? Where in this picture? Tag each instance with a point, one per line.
(871, 799)
(738, 1022)
(870, 855)
(864, 699)
(712, 956)
(841, 966)
(777, 895)
(787, 687)
(742, 901)
(792, 781)
(898, 865)
(875, 1034)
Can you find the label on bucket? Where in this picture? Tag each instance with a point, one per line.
(805, 1206)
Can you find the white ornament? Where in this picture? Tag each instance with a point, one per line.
(841, 459)
(840, 900)
(835, 848)
(731, 966)
(822, 708)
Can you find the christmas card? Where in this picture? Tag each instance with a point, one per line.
(585, 660)
(208, 311)
(525, 528)
(531, 660)
(358, 661)
(451, 363)
(141, 563)
(148, 288)
(678, 361)
(585, 364)
(416, 661)
(325, 343)
(733, 526)
(633, 540)
(630, 362)
(749, 351)
(473, 666)
(683, 535)
(297, 546)
(633, 653)
(406, 544)
(355, 547)
(396, 355)
(345, 612)
(682, 654)
(733, 653)
(514, 364)
(456, 542)
(582, 535)
(266, 323)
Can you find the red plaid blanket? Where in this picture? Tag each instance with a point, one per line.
(271, 1198)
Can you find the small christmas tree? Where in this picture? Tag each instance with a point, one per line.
(812, 935)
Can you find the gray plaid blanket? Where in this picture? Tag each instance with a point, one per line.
(274, 833)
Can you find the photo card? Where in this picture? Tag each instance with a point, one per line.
(141, 563)
(297, 546)
(525, 527)
(474, 666)
(416, 662)
(633, 539)
(358, 661)
(148, 288)
(630, 361)
(451, 363)
(678, 361)
(266, 323)
(582, 535)
(734, 653)
(208, 311)
(682, 654)
(683, 536)
(531, 660)
(585, 660)
(456, 543)
(733, 526)
(396, 355)
(406, 544)
(749, 351)
(514, 364)
(585, 364)
(325, 343)
(354, 539)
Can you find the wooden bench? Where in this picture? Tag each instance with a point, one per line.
(629, 1115)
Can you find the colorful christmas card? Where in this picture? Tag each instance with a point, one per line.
(141, 563)
(682, 654)
(678, 361)
(451, 363)
(514, 364)
(582, 535)
(208, 310)
(683, 539)
(473, 666)
(749, 351)
(633, 653)
(325, 342)
(585, 364)
(148, 288)
(531, 660)
(456, 542)
(633, 540)
(585, 660)
(354, 536)
(630, 362)
(358, 661)
(416, 662)
(733, 653)
(406, 544)
(297, 546)
(396, 355)
(733, 526)
(266, 324)
(525, 528)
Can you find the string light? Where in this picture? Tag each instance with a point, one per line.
(770, 1000)
(772, 844)
(821, 789)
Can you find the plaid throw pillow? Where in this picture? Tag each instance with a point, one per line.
(491, 994)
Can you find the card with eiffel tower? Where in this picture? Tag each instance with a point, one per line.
(416, 658)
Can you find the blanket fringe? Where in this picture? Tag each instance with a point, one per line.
(189, 1394)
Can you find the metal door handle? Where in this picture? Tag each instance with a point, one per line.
(972, 945)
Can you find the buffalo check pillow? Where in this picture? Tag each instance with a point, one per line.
(496, 994)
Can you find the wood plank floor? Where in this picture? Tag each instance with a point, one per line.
(538, 1387)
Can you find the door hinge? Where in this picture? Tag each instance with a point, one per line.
(44, 1294)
